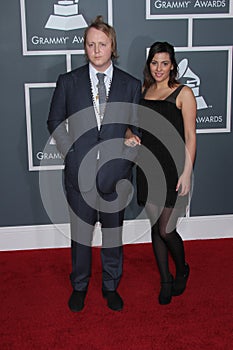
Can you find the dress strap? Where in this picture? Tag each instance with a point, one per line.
(174, 94)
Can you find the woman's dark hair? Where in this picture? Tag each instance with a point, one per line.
(155, 48)
(99, 24)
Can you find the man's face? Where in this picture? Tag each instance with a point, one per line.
(98, 49)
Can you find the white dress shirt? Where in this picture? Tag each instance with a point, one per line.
(94, 83)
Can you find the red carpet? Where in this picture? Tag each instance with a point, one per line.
(35, 289)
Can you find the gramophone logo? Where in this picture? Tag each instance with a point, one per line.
(189, 78)
(197, 70)
(66, 17)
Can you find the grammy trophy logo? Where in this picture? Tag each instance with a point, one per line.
(66, 16)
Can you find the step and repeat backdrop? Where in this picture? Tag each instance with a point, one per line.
(44, 38)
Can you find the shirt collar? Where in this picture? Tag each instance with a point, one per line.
(108, 72)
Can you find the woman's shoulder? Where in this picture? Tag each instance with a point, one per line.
(186, 96)
(186, 93)
(185, 89)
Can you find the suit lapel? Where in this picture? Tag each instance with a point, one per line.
(83, 87)
(84, 92)
(117, 87)
(116, 94)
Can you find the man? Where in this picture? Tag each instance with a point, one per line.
(96, 158)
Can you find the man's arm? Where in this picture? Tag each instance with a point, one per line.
(133, 134)
(57, 118)
(134, 120)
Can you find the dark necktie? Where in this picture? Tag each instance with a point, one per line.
(102, 94)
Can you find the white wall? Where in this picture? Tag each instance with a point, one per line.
(135, 231)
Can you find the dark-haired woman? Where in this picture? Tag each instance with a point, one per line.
(167, 98)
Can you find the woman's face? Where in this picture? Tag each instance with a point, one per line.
(161, 66)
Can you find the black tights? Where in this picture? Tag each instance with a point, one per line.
(166, 239)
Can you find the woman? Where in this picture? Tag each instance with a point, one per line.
(163, 94)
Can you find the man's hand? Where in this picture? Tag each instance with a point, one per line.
(131, 139)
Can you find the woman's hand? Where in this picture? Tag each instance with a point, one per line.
(183, 184)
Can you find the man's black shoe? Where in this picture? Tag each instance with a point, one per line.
(114, 301)
(76, 301)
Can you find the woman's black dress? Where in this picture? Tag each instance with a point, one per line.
(163, 135)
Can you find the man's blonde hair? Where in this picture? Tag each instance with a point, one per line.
(99, 24)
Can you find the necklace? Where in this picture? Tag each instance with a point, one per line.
(95, 98)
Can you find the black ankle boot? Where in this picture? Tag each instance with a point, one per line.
(180, 282)
(165, 294)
